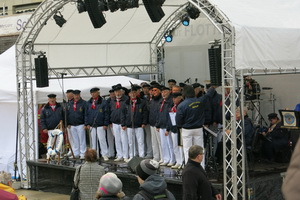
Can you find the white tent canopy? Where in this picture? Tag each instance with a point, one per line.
(267, 35)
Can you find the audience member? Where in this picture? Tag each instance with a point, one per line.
(152, 185)
(6, 190)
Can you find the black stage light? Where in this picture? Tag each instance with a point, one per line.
(59, 19)
(102, 4)
(112, 5)
(95, 14)
(133, 4)
(81, 6)
(154, 9)
(193, 12)
(126, 4)
(122, 4)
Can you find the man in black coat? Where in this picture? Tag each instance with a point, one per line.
(195, 183)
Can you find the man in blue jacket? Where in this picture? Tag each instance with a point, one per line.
(76, 117)
(134, 117)
(190, 117)
(98, 121)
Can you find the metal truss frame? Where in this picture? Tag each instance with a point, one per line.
(233, 148)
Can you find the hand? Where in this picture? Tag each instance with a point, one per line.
(69, 126)
(227, 131)
(124, 128)
(85, 127)
(219, 197)
(157, 129)
(88, 127)
(264, 133)
(45, 131)
(105, 127)
(110, 125)
(166, 133)
(143, 125)
(120, 195)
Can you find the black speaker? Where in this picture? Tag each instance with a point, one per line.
(41, 71)
(154, 10)
(133, 163)
(215, 67)
(95, 14)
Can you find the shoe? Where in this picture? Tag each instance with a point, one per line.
(161, 161)
(105, 158)
(175, 166)
(81, 157)
(69, 154)
(127, 160)
(75, 157)
(163, 164)
(170, 164)
(118, 159)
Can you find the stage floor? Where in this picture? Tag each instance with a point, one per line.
(264, 178)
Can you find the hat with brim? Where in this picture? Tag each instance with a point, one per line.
(76, 92)
(51, 95)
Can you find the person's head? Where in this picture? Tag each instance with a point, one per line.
(188, 91)
(146, 89)
(197, 88)
(133, 93)
(145, 169)
(51, 98)
(176, 89)
(95, 92)
(77, 95)
(171, 83)
(165, 92)
(70, 94)
(156, 90)
(5, 178)
(196, 153)
(109, 185)
(177, 98)
(112, 93)
(90, 155)
(273, 118)
(238, 112)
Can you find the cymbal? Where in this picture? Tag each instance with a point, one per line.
(266, 88)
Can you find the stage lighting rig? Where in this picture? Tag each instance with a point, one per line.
(81, 6)
(102, 5)
(112, 5)
(169, 36)
(193, 12)
(59, 19)
(185, 20)
(126, 4)
(154, 10)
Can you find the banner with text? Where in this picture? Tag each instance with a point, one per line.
(13, 25)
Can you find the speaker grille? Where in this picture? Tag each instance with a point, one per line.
(214, 56)
(154, 11)
(96, 16)
(41, 71)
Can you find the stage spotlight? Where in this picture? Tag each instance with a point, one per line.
(59, 19)
(102, 4)
(193, 12)
(96, 16)
(154, 9)
(169, 37)
(185, 21)
(112, 5)
(127, 4)
(81, 6)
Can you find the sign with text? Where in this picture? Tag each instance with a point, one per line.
(13, 25)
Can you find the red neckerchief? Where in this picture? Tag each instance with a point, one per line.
(52, 106)
(94, 103)
(74, 105)
(118, 103)
(174, 108)
(133, 104)
(162, 105)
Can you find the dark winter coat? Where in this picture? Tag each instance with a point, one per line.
(139, 117)
(163, 114)
(154, 106)
(98, 116)
(49, 118)
(115, 113)
(77, 117)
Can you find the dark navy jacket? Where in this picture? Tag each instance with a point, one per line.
(190, 113)
(170, 127)
(49, 118)
(154, 107)
(163, 116)
(77, 117)
(115, 114)
(98, 116)
(140, 115)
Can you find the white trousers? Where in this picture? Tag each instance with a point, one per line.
(167, 147)
(78, 138)
(101, 136)
(178, 150)
(156, 144)
(192, 137)
(121, 141)
(148, 146)
(111, 142)
(136, 134)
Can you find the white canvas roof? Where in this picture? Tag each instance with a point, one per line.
(267, 35)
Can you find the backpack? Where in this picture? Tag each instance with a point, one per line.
(148, 196)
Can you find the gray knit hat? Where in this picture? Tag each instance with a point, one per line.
(110, 184)
(147, 168)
